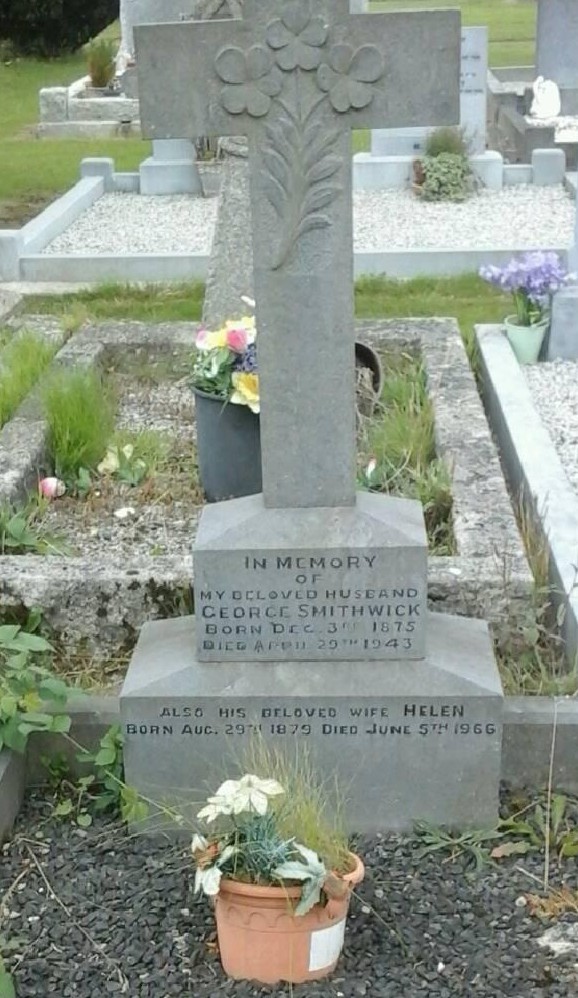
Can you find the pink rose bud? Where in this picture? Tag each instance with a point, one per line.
(51, 488)
(237, 339)
(201, 337)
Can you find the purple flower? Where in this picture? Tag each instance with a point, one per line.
(531, 279)
(247, 361)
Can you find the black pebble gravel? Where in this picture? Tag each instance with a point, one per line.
(433, 931)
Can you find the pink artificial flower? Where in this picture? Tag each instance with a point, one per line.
(201, 338)
(51, 488)
(237, 339)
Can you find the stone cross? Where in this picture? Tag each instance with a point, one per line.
(295, 77)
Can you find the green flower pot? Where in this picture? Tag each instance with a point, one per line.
(526, 341)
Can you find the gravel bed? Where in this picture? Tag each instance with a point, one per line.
(135, 223)
(167, 407)
(131, 925)
(554, 388)
(519, 217)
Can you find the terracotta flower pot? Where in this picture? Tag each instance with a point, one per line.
(260, 939)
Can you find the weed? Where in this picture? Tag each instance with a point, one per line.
(80, 412)
(472, 845)
(546, 825)
(27, 686)
(399, 441)
(23, 361)
(557, 902)
(529, 644)
(21, 531)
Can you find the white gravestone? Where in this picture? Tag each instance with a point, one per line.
(473, 104)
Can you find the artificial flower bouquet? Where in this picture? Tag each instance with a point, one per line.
(251, 844)
(225, 366)
(531, 279)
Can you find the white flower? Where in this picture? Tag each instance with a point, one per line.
(214, 808)
(128, 451)
(199, 844)
(250, 793)
(208, 880)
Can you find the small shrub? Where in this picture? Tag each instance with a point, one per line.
(80, 412)
(446, 140)
(100, 63)
(49, 28)
(448, 177)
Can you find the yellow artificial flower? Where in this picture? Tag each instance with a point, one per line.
(217, 339)
(246, 390)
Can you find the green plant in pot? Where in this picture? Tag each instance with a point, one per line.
(280, 903)
(226, 387)
(531, 279)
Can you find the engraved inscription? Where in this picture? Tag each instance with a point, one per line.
(392, 720)
(336, 605)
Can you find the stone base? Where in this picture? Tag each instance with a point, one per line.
(169, 177)
(407, 740)
(563, 338)
(371, 172)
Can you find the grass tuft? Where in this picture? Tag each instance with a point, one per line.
(80, 411)
(310, 810)
(400, 436)
(22, 362)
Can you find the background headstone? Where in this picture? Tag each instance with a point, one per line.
(473, 104)
(563, 338)
(557, 42)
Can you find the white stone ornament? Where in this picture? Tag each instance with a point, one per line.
(546, 103)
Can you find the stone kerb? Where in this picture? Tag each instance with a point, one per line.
(534, 470)
(100, 603)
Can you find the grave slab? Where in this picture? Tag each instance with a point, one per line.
(386, 729)
(277, 585)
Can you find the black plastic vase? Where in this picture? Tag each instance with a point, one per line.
(228, 448)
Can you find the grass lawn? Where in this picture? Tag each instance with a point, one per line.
(467, 298)
(33, 172)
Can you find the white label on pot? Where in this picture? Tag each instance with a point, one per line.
(326, 945)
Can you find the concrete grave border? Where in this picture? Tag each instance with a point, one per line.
(111, 601)
(529, 724)
(533, 468)
(21, 257)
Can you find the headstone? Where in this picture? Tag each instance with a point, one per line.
(563, 337)
(473, 104)
(311, 599)
(557, 42)
(172, 167)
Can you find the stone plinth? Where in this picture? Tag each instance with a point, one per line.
(407, 740)
(310, 584)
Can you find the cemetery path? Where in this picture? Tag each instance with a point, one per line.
(100, 912)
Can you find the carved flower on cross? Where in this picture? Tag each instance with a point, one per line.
(348, 77)
(297, 36)
(251, 79)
